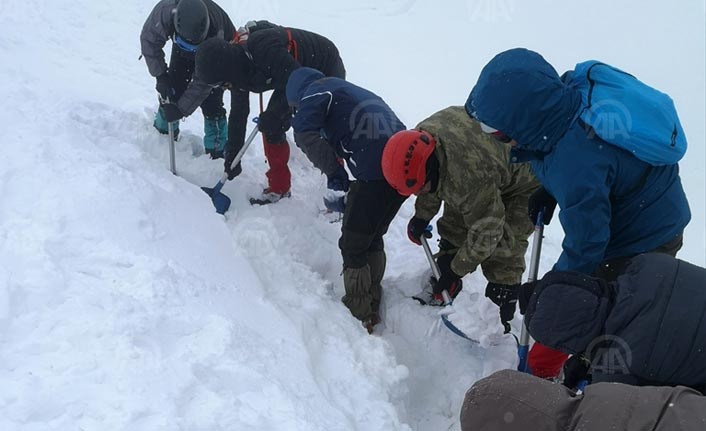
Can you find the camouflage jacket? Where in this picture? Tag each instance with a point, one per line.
(476, 182)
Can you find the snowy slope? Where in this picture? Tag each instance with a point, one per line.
(127, 303)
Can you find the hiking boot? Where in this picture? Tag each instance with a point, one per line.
(269, 197)
(215, 154)
(370, 322)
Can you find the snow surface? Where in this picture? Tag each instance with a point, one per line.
(126, 303)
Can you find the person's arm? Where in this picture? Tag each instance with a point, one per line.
(427, 206)
(156, 31)
(237, 119)
(308, 122)
(484, 217)
(584, 198)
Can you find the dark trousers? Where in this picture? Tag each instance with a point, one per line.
(609, 270)
(181, 71)
(370, 208)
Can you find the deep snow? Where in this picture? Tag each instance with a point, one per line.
(127, 303)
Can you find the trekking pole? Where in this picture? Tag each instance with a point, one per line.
(523, 347)
(172, 156)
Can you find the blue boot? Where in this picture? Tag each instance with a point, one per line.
(215, 136)
(162, 126)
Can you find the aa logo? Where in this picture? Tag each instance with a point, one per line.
(372, 120)
(610, 355)
(491, 10)
(610, 120)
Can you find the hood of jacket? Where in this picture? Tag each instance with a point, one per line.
(568, 310)
(520, 94)
(299, 81)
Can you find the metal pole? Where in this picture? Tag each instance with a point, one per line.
(523, 348)
(172, 156)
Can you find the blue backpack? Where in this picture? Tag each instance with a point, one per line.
(629, 114)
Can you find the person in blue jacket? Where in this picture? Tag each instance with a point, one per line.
(337, 121)
(613, 205)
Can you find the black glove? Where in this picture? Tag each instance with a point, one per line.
(164, 86)
(575, 371)
(272, 126)
(449, 281)
(538, 201)
(338, 181)
(416, 228)
(523, 297)
(171, 112)
(235, 170)
(505, 297)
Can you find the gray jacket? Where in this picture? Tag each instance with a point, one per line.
(159, 28)
(513, 401)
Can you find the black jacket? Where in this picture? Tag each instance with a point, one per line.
(647, 328)
(272, 56)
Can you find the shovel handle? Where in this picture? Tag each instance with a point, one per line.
(240, 154)
(523, 348)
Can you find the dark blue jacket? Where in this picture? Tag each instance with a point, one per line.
(612, 204)
(653, 319)
(353, 121)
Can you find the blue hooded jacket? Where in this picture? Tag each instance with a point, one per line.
(612, 204)
(355, 121)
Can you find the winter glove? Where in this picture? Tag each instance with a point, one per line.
(416, 228)
(449, 280)
(338, 180)
(164, 87)
(505, 297)
(575, 371)
(171, 112)
(337, 186)
(538, 201)
(272, 126)
(233, 171)
(524, 295)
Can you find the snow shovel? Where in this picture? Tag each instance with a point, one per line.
(523, 345)
(447, 298)
(221, 201)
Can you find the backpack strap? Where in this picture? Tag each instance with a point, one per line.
(292, 45)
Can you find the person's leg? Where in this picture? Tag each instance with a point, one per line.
(365, 221)
(507, 262)
(377, 259)
(180, 70)
(215, 125)
(279, 177)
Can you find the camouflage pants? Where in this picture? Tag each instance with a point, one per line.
(506, 262)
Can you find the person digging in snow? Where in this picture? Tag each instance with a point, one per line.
(614, 205)
(187, 23)
(449, 160)
(338, 121)
(263, 60)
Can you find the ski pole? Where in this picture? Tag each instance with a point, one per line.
(523, 347)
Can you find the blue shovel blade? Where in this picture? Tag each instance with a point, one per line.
(220, 201)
